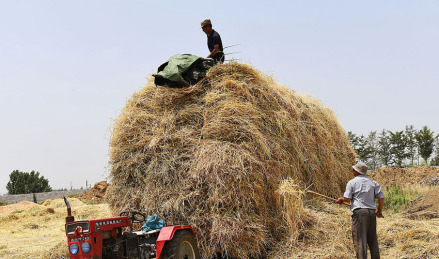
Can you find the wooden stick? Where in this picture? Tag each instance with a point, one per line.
(326, 197)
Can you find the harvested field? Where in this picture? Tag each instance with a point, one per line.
(37, 231)
(328, 235)
(404, 238)
(412, 233)
(216, 155)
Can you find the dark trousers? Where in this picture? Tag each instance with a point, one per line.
(364, 225)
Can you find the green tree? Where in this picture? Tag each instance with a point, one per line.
(435, 160)
(398, 144)
(372, 142)
(411, 144)
(384, 147)
(23, 182)
(425, 140)
(361, 146)
(364, 152)
(353, 139)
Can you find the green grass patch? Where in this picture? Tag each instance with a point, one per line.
(397, 197)
(2, 203)
(90, 202)
(17, 211)
(72, 195)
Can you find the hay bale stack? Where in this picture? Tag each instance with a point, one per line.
(215, 155)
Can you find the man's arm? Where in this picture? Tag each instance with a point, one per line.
(214, 51)
(380, 208)
(347, 193)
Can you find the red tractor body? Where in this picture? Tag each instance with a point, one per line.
(167, 234)
(105, 238)
(93, 233)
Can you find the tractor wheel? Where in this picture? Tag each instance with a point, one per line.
(182, 246)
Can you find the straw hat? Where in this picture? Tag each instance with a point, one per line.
(360, 167)
(206, 22)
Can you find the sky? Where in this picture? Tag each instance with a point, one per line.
(67, 68)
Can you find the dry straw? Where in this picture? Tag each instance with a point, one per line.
(38, 231)
(216, 155)
(327, 234)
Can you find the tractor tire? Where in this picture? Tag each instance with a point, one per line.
(182, 246)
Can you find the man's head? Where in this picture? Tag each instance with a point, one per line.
(206, 26)
(360, 168)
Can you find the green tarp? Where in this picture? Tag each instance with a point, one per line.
(180, 69)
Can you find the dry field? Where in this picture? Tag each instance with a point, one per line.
(29, 230)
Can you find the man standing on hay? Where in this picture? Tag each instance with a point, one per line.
(361, 192)
(214, 42)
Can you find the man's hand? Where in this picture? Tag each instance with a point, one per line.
(340, 200)
(214, 51)
(344, 200)
(380, 214)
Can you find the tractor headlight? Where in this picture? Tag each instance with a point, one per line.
(74, 248)
(85, 247)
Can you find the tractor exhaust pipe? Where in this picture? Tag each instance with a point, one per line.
(69, 217)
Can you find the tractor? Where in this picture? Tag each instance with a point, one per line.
(115, 238)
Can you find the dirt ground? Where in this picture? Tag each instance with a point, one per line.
(17, 206)
(389, 176)
(431, 181)
(425, 207)
(96, 194)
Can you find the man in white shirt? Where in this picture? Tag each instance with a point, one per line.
(361, 192)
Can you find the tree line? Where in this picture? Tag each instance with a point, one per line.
(32, 182)
(404, 148)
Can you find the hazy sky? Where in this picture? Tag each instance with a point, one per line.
(67, 68)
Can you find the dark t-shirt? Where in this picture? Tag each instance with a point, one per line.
(215, 39)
